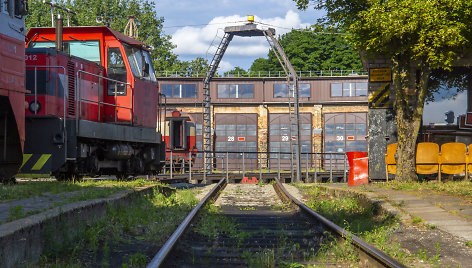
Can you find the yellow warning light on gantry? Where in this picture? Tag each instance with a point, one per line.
(250, 18)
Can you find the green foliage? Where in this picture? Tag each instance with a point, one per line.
(194, 67)
(312, 51)
(212, 223)
(148, 219)
(116, 13)
(237, 71)
(15, 213)
(455, 188)
(89, 189)
(263, 259)
(136, 260)
(417, 37)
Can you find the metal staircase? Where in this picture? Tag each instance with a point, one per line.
(207, 148)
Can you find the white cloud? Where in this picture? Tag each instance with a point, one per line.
(225, 66)
(197, 40)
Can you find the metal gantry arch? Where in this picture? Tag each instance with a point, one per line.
(249, 30)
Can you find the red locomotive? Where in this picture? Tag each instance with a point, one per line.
(179, 135)
(12, 89)
(93, 105)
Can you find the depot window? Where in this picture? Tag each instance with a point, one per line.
(284, 91)
(351, 89)
(235, 91)
(181, 91)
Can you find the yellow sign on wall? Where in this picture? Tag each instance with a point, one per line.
(380, 75)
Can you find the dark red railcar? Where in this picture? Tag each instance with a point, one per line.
(12, 87)
(179, 134)
(94, 104)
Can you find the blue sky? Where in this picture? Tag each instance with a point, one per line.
(195, 24)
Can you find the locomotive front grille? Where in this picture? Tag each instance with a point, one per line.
(71, 89)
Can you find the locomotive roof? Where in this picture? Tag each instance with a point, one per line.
(88, 29)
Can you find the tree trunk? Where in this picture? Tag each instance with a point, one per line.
(407, 129)
(410, 91)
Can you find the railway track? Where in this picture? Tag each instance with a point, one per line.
(269, 226)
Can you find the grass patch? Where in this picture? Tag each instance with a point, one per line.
(468, 244)
(417, 220)
(363, 222)
(149, 220)
(89, 188)
(455, 188)
(212, 223)
(15, 213)
(263, 259)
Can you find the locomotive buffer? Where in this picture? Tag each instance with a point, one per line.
(248, 30)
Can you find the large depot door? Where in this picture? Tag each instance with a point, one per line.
(236, 133)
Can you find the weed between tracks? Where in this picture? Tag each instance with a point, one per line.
(363, 222)
(127, 236)
(212, 223)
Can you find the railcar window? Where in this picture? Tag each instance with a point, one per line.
(89, 50)
(141, 63)
(181, 91)
(135, 59)
(235, 91)
(352, 89)
(282, 91)
(4, 6)
(116, 70)
(149, 69)
(42, 44)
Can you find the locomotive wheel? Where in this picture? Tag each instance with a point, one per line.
(67, 177)
(11, 180)
(122, 177)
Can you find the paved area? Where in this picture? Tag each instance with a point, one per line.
(449, 213)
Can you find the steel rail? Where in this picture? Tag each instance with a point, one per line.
(370, 250)
(159, 258)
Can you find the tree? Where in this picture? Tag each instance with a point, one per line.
(312, 51)
(237, 71)
(195, 67)
(115, 12)
(418, 37)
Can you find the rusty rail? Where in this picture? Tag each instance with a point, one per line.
(159, 258)
(370, 251)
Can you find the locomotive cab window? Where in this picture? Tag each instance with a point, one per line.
(140, 63)
(116, 70)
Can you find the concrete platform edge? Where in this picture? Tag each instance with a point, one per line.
(22, 241)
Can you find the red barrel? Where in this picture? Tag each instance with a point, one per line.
(358, 168)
